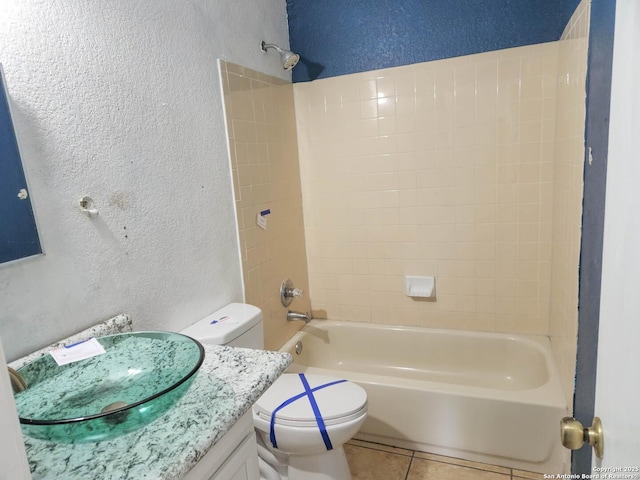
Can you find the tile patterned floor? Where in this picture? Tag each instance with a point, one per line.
(372, 461)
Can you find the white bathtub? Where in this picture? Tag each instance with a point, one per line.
(484, 397)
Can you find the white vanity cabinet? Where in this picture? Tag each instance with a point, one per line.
(234, 457)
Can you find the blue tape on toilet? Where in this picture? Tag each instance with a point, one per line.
(308, 393)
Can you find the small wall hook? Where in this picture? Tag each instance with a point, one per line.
(88, 206)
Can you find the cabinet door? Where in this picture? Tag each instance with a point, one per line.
(242, 464)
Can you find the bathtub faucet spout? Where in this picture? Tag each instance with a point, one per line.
(306, 317)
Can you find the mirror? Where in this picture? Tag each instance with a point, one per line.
(18, 232)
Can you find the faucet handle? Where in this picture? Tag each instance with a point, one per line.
(288, 292)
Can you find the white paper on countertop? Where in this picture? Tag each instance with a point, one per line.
(77, 351)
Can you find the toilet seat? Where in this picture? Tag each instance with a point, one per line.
(338, 401)
(313, 423)
(312, 404)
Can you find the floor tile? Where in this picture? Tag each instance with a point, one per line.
(380, 446)
(422, 469)
(528, 475)
(370, 464)
(464, 463)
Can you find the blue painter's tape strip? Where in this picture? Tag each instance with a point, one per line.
(316, 412)
(265, 212)
(77, 343)
(314, 406)
(272, 428)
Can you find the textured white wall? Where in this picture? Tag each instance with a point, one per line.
(120, 100)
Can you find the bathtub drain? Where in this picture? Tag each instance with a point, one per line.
(298, 348)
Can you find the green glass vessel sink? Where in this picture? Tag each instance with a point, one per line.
(140, 376)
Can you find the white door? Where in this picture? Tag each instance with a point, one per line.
(618, 373)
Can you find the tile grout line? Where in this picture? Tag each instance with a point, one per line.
(413, 455)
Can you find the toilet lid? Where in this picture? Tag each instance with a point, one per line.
(337, 400)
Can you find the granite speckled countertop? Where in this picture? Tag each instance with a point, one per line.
(229, 381)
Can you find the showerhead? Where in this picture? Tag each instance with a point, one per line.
(288, 58)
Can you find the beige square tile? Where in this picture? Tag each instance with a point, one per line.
(405, 85)
(387, 106)
(532, 66)
(508, 68)
(531, 88)
(422, 469)
(486, 76)
(370, 464)
(386, 86)
(367, 89)
(530, 132)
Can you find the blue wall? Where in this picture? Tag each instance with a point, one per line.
(338, 37)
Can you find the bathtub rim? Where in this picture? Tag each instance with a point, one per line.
(548, 394)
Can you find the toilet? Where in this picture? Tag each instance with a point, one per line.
(303, 420)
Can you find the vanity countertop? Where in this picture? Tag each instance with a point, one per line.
(229, 381)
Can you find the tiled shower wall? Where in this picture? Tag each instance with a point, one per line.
(261, 126)
(567, 192)
(469, 169)
(442, 168)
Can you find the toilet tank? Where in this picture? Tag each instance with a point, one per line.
(236, 325)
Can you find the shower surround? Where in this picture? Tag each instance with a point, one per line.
(468, 169)
(442, 168)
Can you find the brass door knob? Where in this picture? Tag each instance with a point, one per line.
(573, 435)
